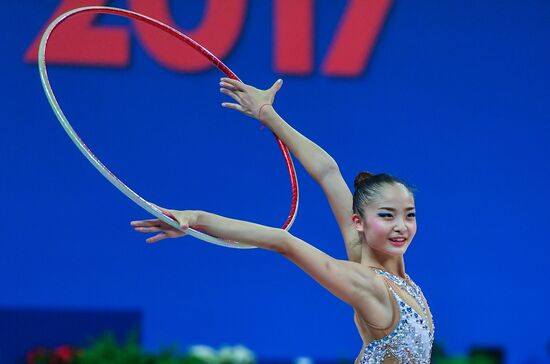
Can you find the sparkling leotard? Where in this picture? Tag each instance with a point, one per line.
(411, 340)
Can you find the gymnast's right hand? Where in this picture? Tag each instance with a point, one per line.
(184, 218)
(249, 99)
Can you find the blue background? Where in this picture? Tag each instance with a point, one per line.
(454, 100)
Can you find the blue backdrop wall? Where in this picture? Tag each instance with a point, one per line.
(454, 99)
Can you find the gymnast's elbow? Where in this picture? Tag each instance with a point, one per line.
(281, 242)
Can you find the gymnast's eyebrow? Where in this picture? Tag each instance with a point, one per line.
(392, 209)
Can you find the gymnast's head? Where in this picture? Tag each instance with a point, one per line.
(384, 213)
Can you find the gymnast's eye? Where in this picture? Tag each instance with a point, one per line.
(412, 215)
(385, 215)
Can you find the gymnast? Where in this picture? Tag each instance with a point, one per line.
(377, 223)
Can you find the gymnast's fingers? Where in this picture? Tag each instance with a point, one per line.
(230, 105)
(164, 234)
(238, 85)
(153, 229)
(143, 223)
(231, 94)
(228, 86)
(156, 238)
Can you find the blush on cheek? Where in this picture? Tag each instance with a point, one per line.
(377, 227)
(376, 234)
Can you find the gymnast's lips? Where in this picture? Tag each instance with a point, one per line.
(398, 240)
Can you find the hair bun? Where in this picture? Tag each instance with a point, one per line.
(362, 177)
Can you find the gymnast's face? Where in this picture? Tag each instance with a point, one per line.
(389, 222)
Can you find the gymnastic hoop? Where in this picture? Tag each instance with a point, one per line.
(169, 219)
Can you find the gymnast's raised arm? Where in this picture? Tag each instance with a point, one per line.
(349, 281)
(318, 163)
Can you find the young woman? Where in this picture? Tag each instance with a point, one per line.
(377, 223)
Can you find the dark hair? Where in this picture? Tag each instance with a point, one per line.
(368, 187)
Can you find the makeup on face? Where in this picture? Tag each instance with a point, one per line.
(391, 221)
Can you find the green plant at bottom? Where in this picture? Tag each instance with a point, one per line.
(440, 357)
(106, 350)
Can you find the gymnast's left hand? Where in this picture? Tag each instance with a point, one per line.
(184, 218)
(249, 99)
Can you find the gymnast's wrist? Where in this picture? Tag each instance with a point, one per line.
(265, 113)
(197, 219)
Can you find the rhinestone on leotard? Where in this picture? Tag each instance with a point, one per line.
(411, 340)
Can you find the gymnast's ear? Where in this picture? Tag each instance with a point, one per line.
(358, 222)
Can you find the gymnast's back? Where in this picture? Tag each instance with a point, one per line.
(409, 337)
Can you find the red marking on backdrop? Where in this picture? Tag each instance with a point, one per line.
(218, 31)
(356, 36)
(293, 36)
(80, 42)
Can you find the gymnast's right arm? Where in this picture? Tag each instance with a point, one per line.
(349, 281)
(318, 163)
